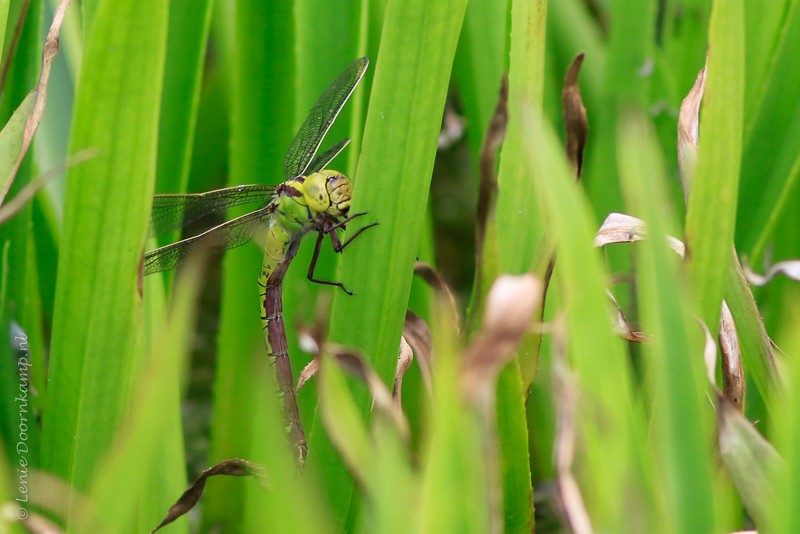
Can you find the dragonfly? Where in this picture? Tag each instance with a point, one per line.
(311, 199)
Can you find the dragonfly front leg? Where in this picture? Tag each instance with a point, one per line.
(313, 265)
(338, 246)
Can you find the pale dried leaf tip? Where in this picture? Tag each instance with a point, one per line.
(789, 268)
(709, 354)
(404, 359)
(308, 371)
(688, 132)
(511, 303)
(622, 228)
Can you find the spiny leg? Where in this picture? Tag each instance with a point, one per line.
(313, 265)
(337, 245)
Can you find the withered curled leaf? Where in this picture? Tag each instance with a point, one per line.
(234, 467)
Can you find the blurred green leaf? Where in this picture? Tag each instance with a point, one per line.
(96, 349)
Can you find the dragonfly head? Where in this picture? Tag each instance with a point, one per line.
(328, 192)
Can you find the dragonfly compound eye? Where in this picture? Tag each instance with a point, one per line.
(339, 191)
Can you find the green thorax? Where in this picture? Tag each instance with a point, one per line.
(302, 205)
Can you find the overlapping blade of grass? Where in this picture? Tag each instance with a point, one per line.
(411, 76)
(376, 456)
(712, 202)
(262, 118)
(479, 65)
(316, 65)
(189, 22)
(683, 427)
(451, 445)
(98, 326)
(288, 501)
(786, 435)
(15, 233)
(519, 232)
(609, 470)
(771, 140)
(126, 499)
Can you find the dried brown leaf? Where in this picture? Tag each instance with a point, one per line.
(566, 395)
(48, 54)
(382, 399)
(12, 207)
(510, 305)
(575, 121)
(688, 127)
(624, 328)
(789, 268)
(733, 382)
(418, 335)
(487, 189)
(234, 467)
(434, 279)
(308, 371)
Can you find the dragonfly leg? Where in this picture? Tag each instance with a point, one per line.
(343, 222)
(313, 265)
(338, 246)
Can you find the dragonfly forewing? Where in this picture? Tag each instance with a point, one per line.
(171, 212)
(231, 234)
(327, 107)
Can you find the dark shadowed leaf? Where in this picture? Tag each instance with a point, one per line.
(575, 121)
(733, 381)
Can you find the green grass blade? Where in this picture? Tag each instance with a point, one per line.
(135, 500)
(411, 76)
(262, 121)
(674, 351)
(98, 326)
(514, 212)
(786, 435)
(771, 142)
(15, 234)
(606, 415)
(479, 65)
(712, 201)
(189, 22)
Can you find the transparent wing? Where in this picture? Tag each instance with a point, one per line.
(171, 212)
(321, 161)
(306, 143)
(231, 234)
